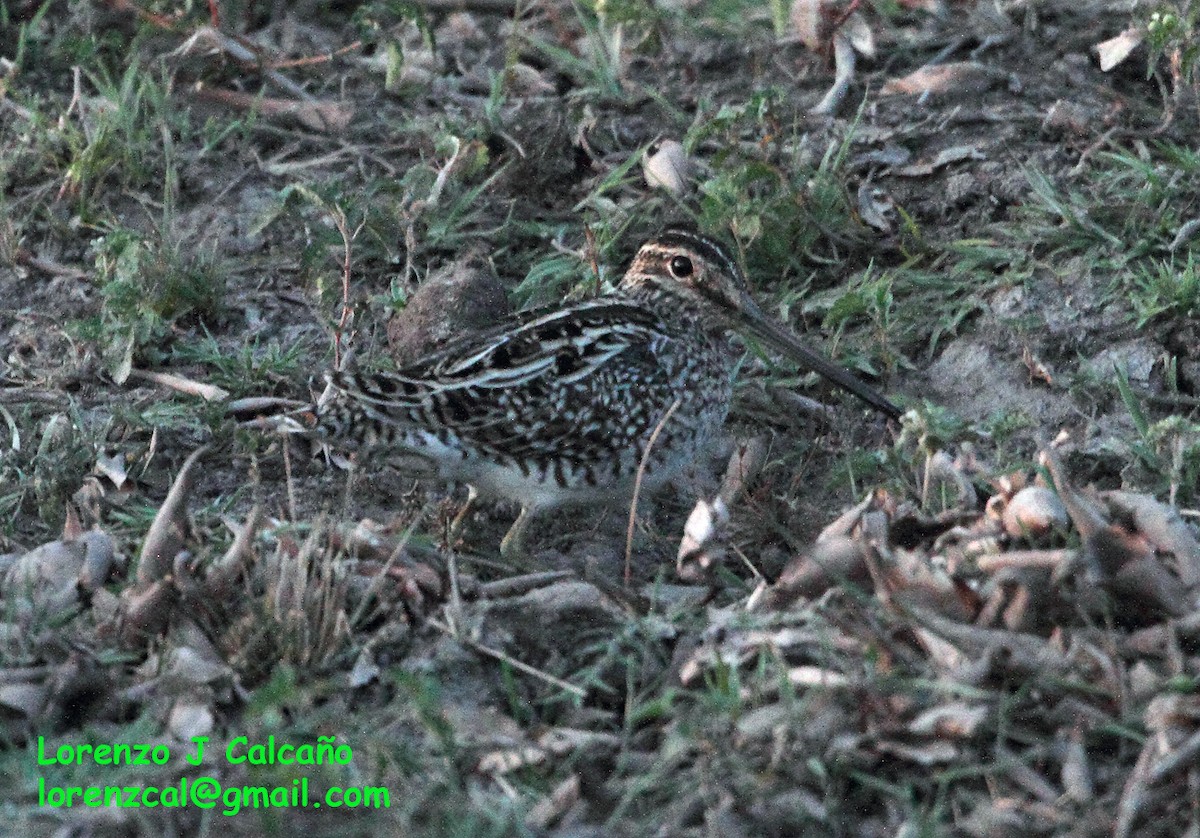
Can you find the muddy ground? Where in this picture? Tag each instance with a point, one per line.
(979, 250)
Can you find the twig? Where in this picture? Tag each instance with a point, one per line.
(593, 260)
(1185, 234)
(517, 585)
(376, 585)
(315, 59)
(222, 574)
(844, 15)
(409, 276)
(25, 395)
(1171, 400)
(579, 692)
(15, 438)
(161, 21)
(843, 62)
(339, 219)
(1086, 154)
(1184, 754)
(19, 110)
(246, 53)
(454, 608)
(208, 392)
(76, 96)
(443, 175)
(257, 404)
(487, 7)
(759, 577)
(287, 473)
(313, 114)
(1049, 559)
(637, 487)
(24, 257)
(744, 466)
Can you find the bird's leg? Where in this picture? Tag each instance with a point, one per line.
(512, 546)
(461, 518)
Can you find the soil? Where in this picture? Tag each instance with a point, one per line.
(944, 167)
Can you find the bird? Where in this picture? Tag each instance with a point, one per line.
(557, 406)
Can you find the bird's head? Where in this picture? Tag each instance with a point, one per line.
(682, 270)
(697, 271)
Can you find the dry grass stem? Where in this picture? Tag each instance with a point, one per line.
(578, 692)
(637, 487)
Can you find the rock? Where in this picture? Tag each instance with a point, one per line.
(454, 300)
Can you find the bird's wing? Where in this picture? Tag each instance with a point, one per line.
(527, 387)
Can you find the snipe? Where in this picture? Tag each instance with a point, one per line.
(556, 406)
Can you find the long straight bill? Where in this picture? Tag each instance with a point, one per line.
(779, 339)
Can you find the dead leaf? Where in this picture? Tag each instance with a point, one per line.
(845, 523)
(744, 465)
(26, 699)
(98, 560)
(1163, 527)
(167, 532)
(859, 33)
(1070, 117)
(1033, 512)
(927, 754)
(1077, 771)
(221, 575)
(960, 77)
(187, 386)
(817, 22)
(876, 208)
(702, 546)
(812, 22)
(957, 720)
(816, 676)
(144, 611)
(954, 154)
(365, 670)
(1038, 371)
(666, 166)
(828, 562)
(185, 667)
(1145, 587)
(524, 80)
(553, 806)
(112, 467)
(942, 469)
(190, 718)
(1115, 50)
(47, 576)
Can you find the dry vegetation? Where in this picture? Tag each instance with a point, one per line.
(982, 622)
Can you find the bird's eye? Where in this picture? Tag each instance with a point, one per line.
(681, 266)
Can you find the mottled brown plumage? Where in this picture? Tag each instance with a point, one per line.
(556, 407)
